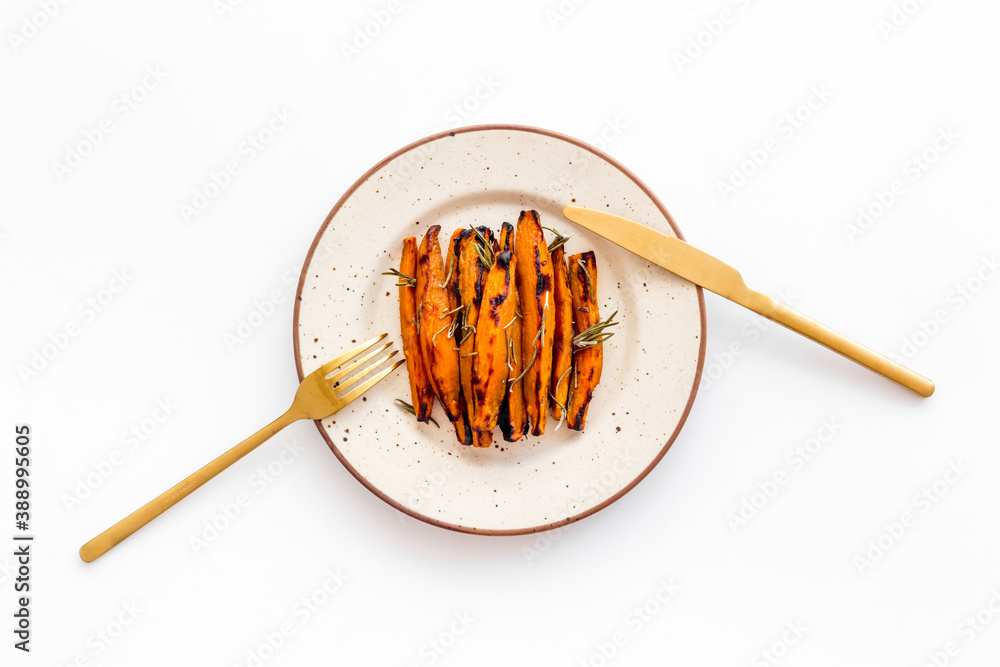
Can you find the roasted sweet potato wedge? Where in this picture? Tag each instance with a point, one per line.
(475, 249)
(562, 339)
(470, 273)
(455, 306)
(421, 392)
(513, 416)
(437, 327)
(490, 371)
(534, 282)
(588, 362)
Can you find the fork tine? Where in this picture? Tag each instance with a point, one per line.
(357, 377)
(347, 369)
(327, 368)
(354, 393)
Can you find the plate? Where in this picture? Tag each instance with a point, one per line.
(485, 175)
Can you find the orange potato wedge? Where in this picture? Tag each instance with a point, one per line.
(421, 392)
(513, 418)
(562, 339)
(587, 362)
(436, 323)
(462, 431)
(472, 272)
(534, 282)
(490, 370)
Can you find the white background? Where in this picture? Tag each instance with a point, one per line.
(557, 599)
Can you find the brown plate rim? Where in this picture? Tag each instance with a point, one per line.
(483, 531)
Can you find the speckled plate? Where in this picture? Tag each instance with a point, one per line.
(485, 175)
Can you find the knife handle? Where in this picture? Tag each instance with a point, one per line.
(778, 312)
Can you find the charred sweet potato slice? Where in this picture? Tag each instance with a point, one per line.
(421, 392)
(451, 264)
(437, 327)
(490, 371)
(475, 250)
(588, 362)
(562, 339)
(471, 273)
(534, 282)
(513, 416)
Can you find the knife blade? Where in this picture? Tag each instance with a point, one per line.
(702, 269)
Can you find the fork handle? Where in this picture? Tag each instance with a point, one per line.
(98, 546)
(778, 312)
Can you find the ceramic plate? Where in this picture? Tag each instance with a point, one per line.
(486, 175)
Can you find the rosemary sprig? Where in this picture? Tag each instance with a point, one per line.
(404, 280)
(595, 335)
(484, 249)
(451, 267)
(472, 354)
(562, 408)
(565, 372)
(559, 240)
(471, 328)
(558, 243)
(483, 256)
(456, 322)
(509, 349)
(586, 274)
(534, 353)
(482, 238)
(437, 332)
(416, 320)
(466, 318)
(406, 407)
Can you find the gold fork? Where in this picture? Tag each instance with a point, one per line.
(319, 396)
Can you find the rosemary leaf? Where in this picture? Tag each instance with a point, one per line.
(437, 332)
(451, 267)
(485, 249)
(450, 312)
(560, 382)
(406, 407)
(534, 353)
(586, 274)
(404, 280)
(482, 256)
(559, 240)
(455, 324)
(596, 334)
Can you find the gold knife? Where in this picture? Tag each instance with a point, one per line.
(702, 269)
